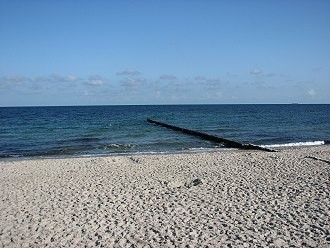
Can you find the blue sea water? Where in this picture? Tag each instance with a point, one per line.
(103, 130)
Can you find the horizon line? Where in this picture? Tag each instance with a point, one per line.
(163, 104)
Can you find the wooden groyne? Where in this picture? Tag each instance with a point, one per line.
(226, 142)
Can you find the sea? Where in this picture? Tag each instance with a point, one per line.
(79, 131)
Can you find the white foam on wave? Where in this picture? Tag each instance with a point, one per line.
(309, 143)
(202, 149)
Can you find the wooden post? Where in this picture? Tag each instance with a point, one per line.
(226, 142)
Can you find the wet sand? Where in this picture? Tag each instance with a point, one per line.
(214, 199)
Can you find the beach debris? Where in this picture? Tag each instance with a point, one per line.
(135, 160)
(194, 182)
(176, 183)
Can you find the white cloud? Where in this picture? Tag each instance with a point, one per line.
(131, 83)
(211, 83)
(95, 81)
(10, 81)
(44, 82)
(256, 72)
(15, 79)
(55, 78)
(129, 72)
(311, 92)
(167, 77)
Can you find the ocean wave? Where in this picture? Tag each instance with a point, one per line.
(79, 140)
(205, 149)
(87, 139)
(119, 146)
(10, 156)
(308, 143)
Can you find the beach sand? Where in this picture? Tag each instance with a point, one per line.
(214, 199)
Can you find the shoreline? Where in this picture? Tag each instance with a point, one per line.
(197, 150)
(189, 151)
(220, 198)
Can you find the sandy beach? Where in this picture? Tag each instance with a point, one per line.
(206, 199)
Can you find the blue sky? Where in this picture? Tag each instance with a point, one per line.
(69, 52)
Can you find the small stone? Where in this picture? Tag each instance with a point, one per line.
(175, 184)
(279, 242)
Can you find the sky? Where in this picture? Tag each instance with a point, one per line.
(69, 52)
